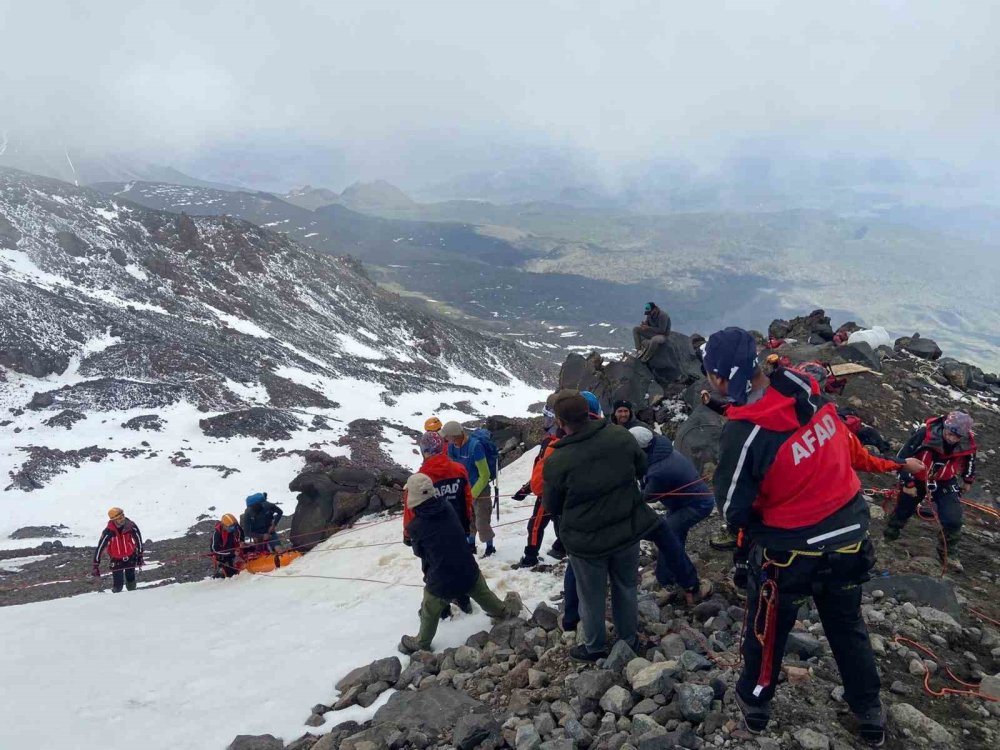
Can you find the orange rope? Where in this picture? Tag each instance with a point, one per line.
(972, 688)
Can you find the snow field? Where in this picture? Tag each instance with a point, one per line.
(188, 667)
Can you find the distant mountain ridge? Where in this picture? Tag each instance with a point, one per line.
(367, 197)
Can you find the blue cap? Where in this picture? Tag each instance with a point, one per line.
(257, 497)
(732, 354)
(593, 403)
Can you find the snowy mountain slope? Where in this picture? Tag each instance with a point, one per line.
(164, 669)
(224, 337)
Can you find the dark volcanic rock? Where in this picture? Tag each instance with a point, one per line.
(698, 437)
(918, 346)
(66, 418)
(285, 393)
(434, 710)
(40, 532)
(258, 422)
(45, 463)
(144, 422)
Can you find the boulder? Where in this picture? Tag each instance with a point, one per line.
(918, 346)
(656, 679)
(698, 437)
(933, 592)
(472, 730)
(617, 700)
(258, 422)
(858, 353)
(904, 716)
(256, 742)
(675, 361)
(695, 701)
(804, 645)
(814, 327)
(545, 617)
(958, 374)
(592, 685)
(432, 710)
(810, 739)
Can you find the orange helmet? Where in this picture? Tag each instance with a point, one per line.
(115, 512)
(433, 424)
(229, 520)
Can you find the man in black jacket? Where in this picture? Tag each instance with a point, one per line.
(785, 477)
(450, 569)
(652, 333)
(591, 485)
(260, 521)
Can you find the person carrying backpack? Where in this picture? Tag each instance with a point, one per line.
(477, 453)
(260, 521)
(123, 542)
(451, 481)
(227, 545)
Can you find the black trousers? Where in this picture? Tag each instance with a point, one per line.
(833, 580)
(226, 565)
(947, 500)
(123, 573)
(536, 530)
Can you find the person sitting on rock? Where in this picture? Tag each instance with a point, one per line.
(123, 541)
(451, 481)
(468, 451)
(945, 448)
(539, 517)
(672, 480)
(652, 333)
(260, 521)
(785, 478)
(227, 546)
(623, 415)
(449, 567)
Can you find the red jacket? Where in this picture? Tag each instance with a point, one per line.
(121, 543)
(451, 482)
(786, 469)
(944, 463)
(537, 483)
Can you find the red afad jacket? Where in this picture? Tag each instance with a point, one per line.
(943, 462)
(121, 543)
(451, 481)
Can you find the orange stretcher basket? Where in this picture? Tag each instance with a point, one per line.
(266, 562)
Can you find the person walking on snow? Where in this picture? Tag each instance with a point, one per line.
(468, 451)
(260, 521)
(944, 452)
(227, 545)
(123, 542)
(451, 481)
(591, 485)
(785, 478)
(450, 569)
(652, 333)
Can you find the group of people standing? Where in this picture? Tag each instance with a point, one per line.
(786, 484)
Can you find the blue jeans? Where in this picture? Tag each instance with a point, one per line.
(682, 520)
(672, 563)
(571, 617)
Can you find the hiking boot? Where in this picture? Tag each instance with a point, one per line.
(700, 593)
(580, 653)
(559, 553)
(871, 726)
(725, 539)
(464, 604)
(446, 612)
(490, 549)
(408, 644)
(525, 562)
(755, 718)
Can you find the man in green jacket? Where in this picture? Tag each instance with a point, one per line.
(591, 485)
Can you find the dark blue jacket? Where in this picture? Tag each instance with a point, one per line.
(670, 471)
(436, 535)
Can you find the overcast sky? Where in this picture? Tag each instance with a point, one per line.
(621, 79)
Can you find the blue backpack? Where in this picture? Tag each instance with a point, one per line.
(485, 438)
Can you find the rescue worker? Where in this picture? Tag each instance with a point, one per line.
(123, 542)
(227, 546)
(451, 481)
(260, 521)
(623, 415)
(449, 567)
(945, 448)
(468, 451)
(785, 479)
(652, 333)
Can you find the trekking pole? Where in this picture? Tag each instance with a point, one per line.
(496, 493)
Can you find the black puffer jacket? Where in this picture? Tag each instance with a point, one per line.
(436, 535)
(591, 482)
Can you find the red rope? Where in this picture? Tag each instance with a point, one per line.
(973, 688)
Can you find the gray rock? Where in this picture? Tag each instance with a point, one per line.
(643, 724)
(474, 729)
(804, 645)
(645, 706)
(617, 700)
(809, 739)
(693, 662)
(545, 617)
(545, 724)
(694, 701)
(578, 733)
(527, 738)
(621, 654)
(431, 710)
(658, 739)
(990, 685)
(315, 720)
(468, 659)
(655, 679)
(709, 608)
(358, 676)
(939, 620)
(635, 666)
(649, 610)
(904, 716)
(933, 592)
(592, 685)
(672, 645)
(560, 744)
(256, 742)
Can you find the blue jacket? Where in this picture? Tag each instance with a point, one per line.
(437, 538)
(469, 455)
(670, 471)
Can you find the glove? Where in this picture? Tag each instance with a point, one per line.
(522, 493)
(407, 542)
(96, 571)
(741, 574)
(139, 561)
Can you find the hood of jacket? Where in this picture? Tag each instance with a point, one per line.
(792, 399)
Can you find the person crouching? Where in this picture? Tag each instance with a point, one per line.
(450, 569)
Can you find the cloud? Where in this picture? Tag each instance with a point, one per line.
(624, 79)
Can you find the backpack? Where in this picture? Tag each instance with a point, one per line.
(485, 438)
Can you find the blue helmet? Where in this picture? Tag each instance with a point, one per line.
(593, 403)
(257, 497)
